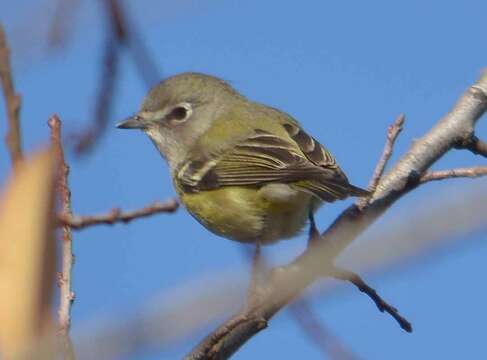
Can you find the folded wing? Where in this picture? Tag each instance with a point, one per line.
(266, 158)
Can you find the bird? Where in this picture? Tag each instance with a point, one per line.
(246, 171)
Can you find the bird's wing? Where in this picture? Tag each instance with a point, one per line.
(266, 158)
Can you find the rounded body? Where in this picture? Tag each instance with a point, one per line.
(246, 214)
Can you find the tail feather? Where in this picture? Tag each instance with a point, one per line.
(330, 191)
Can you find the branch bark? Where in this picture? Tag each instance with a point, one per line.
(287, 282)
(471, 172)
(116, 215)
(12, 101)
(64, 277)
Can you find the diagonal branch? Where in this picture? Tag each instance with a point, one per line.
(116, 215)
(288, 282)
(12, 101)
(471, 172)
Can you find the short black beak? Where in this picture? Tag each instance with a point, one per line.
(133, 122)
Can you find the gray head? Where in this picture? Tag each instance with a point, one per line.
(178, 110)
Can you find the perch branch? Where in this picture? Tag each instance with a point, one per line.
(287, 282)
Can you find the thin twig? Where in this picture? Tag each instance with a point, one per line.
(64, 277)
(12, 101)
(329, 345)
(116, 215)
(471, 172)
(392, 133)
(473, 144)
(382, 305)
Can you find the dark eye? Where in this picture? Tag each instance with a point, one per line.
(179, 113)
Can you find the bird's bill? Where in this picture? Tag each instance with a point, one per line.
(133, 122)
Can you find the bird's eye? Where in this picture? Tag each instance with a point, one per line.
(179, 113)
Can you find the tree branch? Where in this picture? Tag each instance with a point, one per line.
(381, 304)
(287, 282)
(471, 172)
(392, 133)
(116, 215)
(12, 101)
(64, 277)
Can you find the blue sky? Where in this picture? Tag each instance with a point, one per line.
(345, 70)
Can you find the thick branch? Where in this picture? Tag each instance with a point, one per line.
(12, 101)
(116, 215)
(287, 282)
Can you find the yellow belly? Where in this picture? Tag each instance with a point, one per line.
(247, 214)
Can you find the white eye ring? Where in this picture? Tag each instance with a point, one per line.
(180, 113)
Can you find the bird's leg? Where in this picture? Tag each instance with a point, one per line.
(314, 233)
(256, 274)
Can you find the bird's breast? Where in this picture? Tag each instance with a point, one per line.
(250, 214)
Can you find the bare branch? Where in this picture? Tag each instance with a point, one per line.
(383, 306)
(116, 215)
(12, 101)
(64, 278)
(392, 133)
(287, 282)
(471, 172)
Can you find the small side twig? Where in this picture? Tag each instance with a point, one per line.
(470, 172)
(62, 23)
(392, 133)
(12, 101)
(64, 277)
(473, 144)
(382, 305)
(116, 215)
